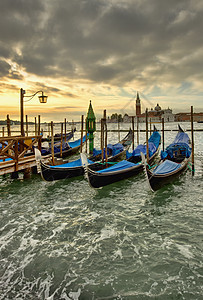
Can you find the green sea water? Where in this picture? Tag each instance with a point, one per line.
(64, 240)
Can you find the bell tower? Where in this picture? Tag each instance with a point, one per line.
(138, 105)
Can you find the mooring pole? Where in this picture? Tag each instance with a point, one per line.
(35, 125)
(162, 133)
(52, 142)
(137, 130)
(8, 126)
(81, 142)
(65, 128)
(26, 122)
(61, 145)
(147, 143)
(106, 155)
(38, 125)
(133, 128)
(86, 136)
(118, 130)
(192, 140)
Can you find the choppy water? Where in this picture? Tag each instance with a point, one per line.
(63, 240)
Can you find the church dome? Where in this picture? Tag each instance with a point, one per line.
(157, 108)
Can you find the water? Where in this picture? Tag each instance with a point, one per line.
(64, 240)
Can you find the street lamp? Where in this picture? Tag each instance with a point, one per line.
(42, 99)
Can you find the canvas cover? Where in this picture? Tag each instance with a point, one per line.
(115, 149)
(72, 164)
(180, 144)
(153, 144)
(65, 146)
(122, 165)
(166, 167)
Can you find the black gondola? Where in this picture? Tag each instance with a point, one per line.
(173, 162)
(125, 168)
(67, 148)
(57, 136)
(75, 168)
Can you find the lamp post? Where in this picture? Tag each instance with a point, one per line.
(42, 99)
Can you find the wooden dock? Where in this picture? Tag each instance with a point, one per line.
(14, 154)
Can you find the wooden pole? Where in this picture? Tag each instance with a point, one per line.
(118, 130)
(8, 126)
(147, 143)
(49, 129)
(106, 155)
(26, 122)
(22, 92)
(81, 142)
(61, 145)
(103, 126)
(35, 126)
(137, 130)
(150, 126)
(3, 131)
(65, 128)
(163, 133)
(52, 142)
(133, 128)
(38, 125)
(102, 139)
(192, 140)
(73, 128)
(86, 135)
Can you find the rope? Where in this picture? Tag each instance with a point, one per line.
(150, 167)
(109, 162)
(190, 167)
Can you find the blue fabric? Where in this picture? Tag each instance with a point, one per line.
(77, 142)
(155, 138)
(166, 167)
(6, 159)
(153, 144)
(122, 165)
(180, 144)
(117, 148)
(181, 137)
(71, 164)
(65, 146)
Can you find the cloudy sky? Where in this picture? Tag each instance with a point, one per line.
(103, 50)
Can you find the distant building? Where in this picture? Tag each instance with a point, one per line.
(185, 117)
(156, 115)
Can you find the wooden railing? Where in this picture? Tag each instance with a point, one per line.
(16, 147)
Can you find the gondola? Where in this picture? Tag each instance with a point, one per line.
(67, 148)
(173, 162)
(125, 168)
(57, 136)
(75, 168)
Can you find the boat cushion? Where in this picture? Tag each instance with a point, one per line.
(166, 167)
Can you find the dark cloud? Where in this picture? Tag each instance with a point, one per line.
(104, 41)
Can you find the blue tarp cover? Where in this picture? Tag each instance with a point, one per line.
(77, 142)
(6, 159)
(71, 164)
(181, 137)
(122, 165)
(153, 143)
(65, 146)
(181, 144)
(117, 148)
(166, 167)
